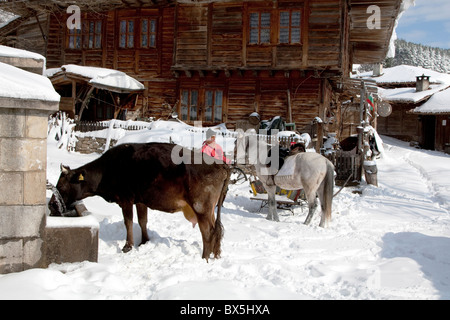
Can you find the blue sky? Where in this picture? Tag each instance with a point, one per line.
(428, 23)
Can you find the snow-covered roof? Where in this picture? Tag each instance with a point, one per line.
(405, 74)
(102, 78)
(20, 84)
(438, 103)
(6, 51)
(408, 94)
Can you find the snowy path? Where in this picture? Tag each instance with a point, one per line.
(390, 242)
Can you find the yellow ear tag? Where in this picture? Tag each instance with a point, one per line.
(81, 177)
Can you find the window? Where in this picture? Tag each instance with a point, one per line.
(88, 37)
(213, 105)
(259, 27)
(148, 33)
(189, 105)
(289, 27)
(74, 39)
(93, 34)
(126, 34)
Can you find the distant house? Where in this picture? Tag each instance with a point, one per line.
(408, 88)
(214, 61)
(434, 116)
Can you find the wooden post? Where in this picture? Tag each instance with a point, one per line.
(289, 105)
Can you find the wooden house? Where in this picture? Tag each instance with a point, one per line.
(417, 111)
(215, 61)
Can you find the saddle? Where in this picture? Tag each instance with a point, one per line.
(285, 178)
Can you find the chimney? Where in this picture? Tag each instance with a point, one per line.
(422, 83)
(377, 70)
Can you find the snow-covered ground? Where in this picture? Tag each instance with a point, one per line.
(390, 242)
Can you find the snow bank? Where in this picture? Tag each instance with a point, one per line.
(19, 84)
(388, 242)
(6, 51)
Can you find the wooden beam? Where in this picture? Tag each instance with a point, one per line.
(305, 33)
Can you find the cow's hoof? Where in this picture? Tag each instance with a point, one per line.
(126, 248)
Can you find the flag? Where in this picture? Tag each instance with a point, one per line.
(371, 102)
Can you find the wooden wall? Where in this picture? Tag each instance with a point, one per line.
(215, 35)
(400, 124)
(206, 45)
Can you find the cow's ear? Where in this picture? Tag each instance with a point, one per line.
(64, 169)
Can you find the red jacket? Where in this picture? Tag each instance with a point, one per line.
(215, 152)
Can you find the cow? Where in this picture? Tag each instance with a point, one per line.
(144, 174)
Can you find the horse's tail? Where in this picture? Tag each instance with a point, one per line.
(328, 191)
(218, 227)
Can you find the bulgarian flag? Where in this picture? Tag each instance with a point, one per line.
(371, 102)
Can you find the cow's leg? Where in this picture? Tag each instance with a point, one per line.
(142, 218)
(207, 229)
(127, 211)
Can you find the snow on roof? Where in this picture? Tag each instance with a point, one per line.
(405, 74)
(408, 94)
(100, 77)
(438, 103)
(19, 53)
(20, 84)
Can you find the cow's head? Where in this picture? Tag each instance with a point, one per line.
(71, 186)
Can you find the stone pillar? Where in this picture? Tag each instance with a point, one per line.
(23, 161)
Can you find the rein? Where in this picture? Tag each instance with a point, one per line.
(346, 181)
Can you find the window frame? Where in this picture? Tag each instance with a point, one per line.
(127, 33)
(189, 105)
(290, 27)
(79, 39)
(151, 35)
(214, 105)
(95, 34)
(259, 28)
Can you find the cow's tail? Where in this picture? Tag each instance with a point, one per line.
(218, 227)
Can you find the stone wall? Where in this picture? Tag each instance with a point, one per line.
(88, 144)
(23, 161)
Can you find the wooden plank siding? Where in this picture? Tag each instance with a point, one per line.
(205, 46)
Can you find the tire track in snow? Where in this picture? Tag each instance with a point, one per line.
(435, 195)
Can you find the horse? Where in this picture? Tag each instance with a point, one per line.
(309, 171)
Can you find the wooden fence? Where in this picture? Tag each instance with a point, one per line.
(87, 126)
(346, 163)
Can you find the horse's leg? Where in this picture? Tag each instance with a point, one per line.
(272, 204)
(142, 218)
(127, 211)
(323, 219)
(310, 197)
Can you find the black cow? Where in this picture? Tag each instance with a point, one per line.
(145, 175)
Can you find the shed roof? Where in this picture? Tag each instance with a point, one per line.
(102, 78)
